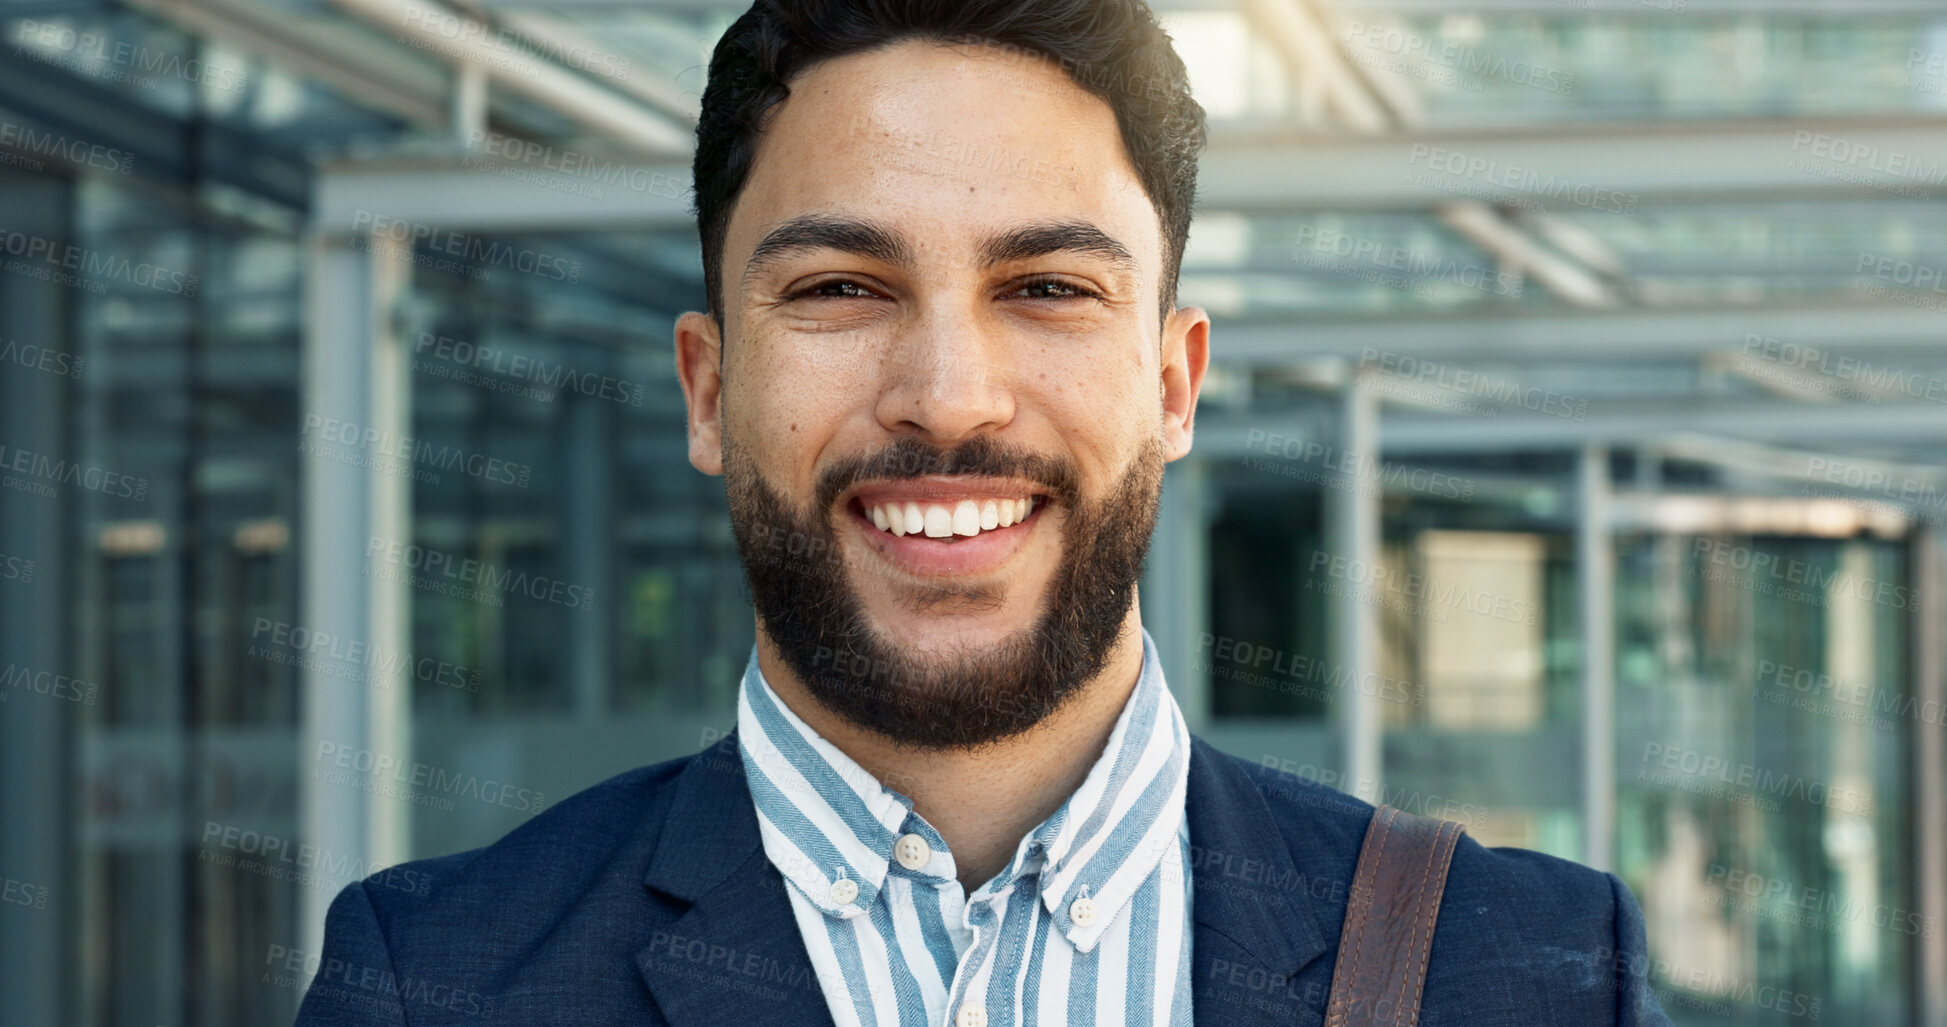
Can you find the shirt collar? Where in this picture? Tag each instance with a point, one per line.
(821, 815)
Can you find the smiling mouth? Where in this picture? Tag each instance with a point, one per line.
(948, 522)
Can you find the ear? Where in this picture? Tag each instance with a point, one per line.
(699, 350)
(1186, 355)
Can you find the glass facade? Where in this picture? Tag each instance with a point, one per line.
(347, 516)
(1764, 719)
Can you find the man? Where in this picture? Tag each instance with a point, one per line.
(941, 372)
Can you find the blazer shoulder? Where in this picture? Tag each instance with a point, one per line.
(1560, 940)
(472, 931)
(1319, 823)
(1322, 823)
(1524, 937)
(558, 851)
(1492, 890)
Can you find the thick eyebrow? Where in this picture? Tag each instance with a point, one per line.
(856, 236)
(1042, 238)
(874, 241)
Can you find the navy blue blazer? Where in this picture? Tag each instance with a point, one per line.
(647, 899)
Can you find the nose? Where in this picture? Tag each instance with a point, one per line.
(943, 378)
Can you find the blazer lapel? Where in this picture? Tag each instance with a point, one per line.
(735, 955)
(1255, 923)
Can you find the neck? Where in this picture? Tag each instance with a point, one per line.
(983, 802)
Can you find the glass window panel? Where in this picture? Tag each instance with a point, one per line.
(1764, 719)
(1512, 68)
(567, 384)
(1477, 620)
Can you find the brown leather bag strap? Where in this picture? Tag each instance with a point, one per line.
(1389, 921)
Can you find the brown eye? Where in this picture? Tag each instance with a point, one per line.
(1052, 289)
(839, 289)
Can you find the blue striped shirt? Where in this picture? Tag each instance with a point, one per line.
(1088, 923)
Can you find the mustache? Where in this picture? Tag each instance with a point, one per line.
(910, 457)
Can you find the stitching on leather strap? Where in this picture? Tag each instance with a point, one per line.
(1370, 894)
(1364, 889)
(1400, 970)
(1418, 904)
(1444, 838)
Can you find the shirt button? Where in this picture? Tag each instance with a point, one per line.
(844, 890)
(1082, 911)
(973, 1014)
(912, 851)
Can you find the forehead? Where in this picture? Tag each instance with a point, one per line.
(944, 142)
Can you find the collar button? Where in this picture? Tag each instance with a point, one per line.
(912, 852)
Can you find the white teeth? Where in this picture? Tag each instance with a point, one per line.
(966, 518)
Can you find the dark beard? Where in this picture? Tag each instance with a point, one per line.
(800, 587)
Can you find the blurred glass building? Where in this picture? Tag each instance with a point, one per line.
(1572, 465)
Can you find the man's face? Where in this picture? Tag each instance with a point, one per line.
(940, 311)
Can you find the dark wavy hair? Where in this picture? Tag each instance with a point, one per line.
(1113, 48)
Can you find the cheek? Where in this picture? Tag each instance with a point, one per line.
(808, 402)
(1114, 362)
(787, 403)
(783, 381)
(1106, 393)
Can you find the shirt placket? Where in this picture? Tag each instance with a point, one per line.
(982, 919)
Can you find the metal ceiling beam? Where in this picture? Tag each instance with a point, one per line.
(1614, 169)
(1584, 8)
(432, 89)
(1773, 421)
(1777, 422)
(508, 196)
(1623, 336)
(1370, 108)
(1779, 380)
(1309, 53)
(320, 48)
(645, 85)
(461, 40)
(1519, 253)
(1577, 241)
(1793, 465)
